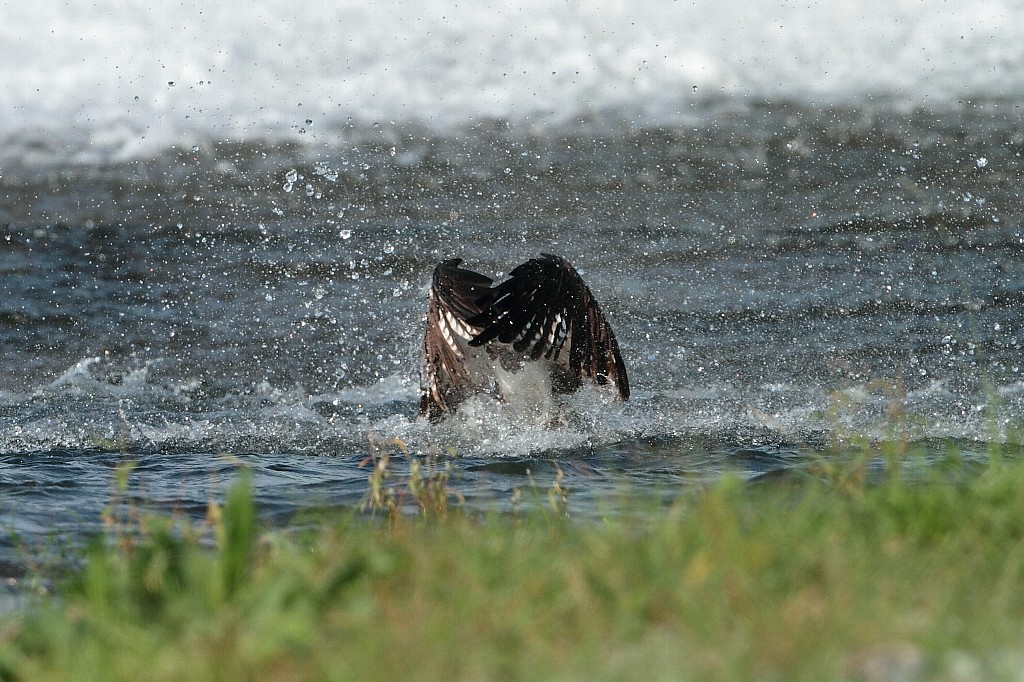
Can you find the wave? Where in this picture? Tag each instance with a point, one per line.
(92, 83)
(98, 405)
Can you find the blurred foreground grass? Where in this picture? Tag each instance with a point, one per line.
(813, 577)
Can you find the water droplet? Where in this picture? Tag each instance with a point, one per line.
(345, 234)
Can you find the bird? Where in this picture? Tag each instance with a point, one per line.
(538, 333)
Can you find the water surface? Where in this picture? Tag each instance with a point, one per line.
(789, 272)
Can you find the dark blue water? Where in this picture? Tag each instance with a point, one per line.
(784, 280)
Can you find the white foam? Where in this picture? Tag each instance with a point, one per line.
(76, 373)
(395, 387)
(123, 79)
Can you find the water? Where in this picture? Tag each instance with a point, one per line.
(794, 246)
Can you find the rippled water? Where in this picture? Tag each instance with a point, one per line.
(781, 277)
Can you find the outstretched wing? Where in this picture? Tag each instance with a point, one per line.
(545, 309)
(456, 294)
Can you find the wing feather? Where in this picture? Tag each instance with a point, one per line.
(543, 310)
(545, 306)
(455, 295)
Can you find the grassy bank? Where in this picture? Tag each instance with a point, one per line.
(820, 577)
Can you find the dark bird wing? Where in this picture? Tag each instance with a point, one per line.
(545, 309)
(456, 294)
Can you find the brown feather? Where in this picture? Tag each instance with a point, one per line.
(543, 310)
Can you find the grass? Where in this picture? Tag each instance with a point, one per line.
(819, 577)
